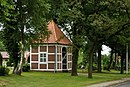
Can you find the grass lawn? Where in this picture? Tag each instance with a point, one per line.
(50, 79)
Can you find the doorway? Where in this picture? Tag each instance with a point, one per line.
(64, 59)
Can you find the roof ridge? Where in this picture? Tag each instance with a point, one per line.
(53, 25)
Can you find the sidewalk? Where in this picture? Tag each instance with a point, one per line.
(110, 83)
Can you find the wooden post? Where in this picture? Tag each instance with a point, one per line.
(126, 58)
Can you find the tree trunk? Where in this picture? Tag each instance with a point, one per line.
(115, 60)
(75, 52)
(111, 60)
(1, 59)
(21, 27)
(22, 50)
(22, 60)
(91, 51)
(15, 61)
(18, 69)
(99, 59)
(122, 64)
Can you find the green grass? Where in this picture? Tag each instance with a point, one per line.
(50, 79)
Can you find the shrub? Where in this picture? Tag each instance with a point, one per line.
(26, 67)
(9, 64)
(4, 71)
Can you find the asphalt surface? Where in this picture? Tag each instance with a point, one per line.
(125, 84)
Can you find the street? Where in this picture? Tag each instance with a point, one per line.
(125, 84)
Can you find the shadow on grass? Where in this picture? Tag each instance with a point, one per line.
(104, 71)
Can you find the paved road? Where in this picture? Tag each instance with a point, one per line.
(125, 84)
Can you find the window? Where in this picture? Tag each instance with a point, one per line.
(43, 57)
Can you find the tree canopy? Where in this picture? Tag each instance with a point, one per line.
(91, 23)
(25, 21)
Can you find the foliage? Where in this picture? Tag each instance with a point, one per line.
(8, 32)
(118, 44)
(33, 16)
(9, 63)
(26, 67)
(2, 47)
(105, 61)
(102, 22)
(94, 21)
(4, 71)
(4, 10)
(27, 21)
(104, 17)
(72, 25)
(31, 23)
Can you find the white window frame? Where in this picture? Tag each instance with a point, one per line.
(43, 58)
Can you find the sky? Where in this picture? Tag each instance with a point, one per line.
(105, 50)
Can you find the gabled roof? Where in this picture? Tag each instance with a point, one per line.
(56, 35)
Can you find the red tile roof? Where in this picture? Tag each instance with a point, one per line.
(56, 36)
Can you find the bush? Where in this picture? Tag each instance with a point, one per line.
(4, 71)
(94, 68)
(9, 64)
(105, 67)
(26, 68)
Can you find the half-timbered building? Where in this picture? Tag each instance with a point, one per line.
(53, 54)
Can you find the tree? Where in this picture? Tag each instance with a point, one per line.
(111, 60)
(11, 44)
(8, 24)
(2, 47)
(93, 20)
(61, 12)
(4, 10)
(31, 23)
(99, 58)
(32, 17)
(9, 37)
(118, 44)
(1, 59)
(103, 19)
(73, 26)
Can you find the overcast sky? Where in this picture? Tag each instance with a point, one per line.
(106, 50)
